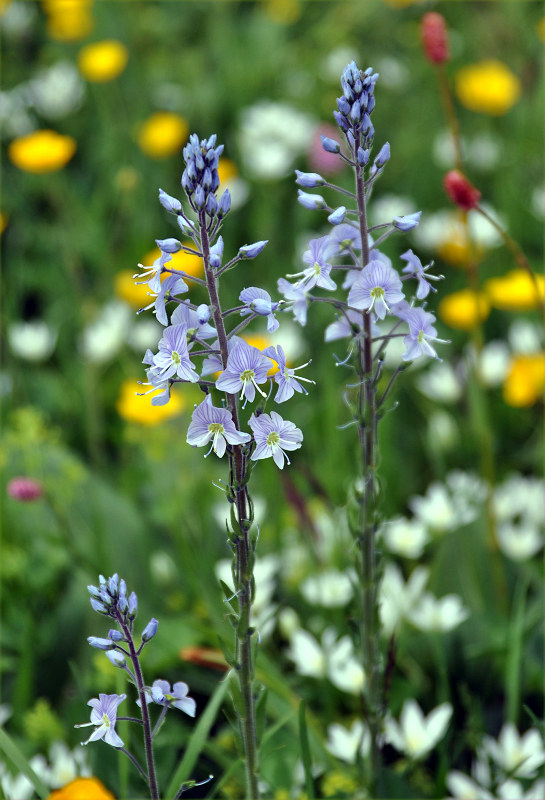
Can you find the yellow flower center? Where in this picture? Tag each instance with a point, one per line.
(247, 375)
(273, 438)
(176, 358)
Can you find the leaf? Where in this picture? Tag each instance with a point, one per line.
(198, 740)
(305, 751)
(10, 749)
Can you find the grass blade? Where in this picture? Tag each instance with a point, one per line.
(305, 752)
(10, 749)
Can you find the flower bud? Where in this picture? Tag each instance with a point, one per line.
(24, 489)
(117, 658)
(211, 205)
(434, 38)
(199, 198)
(363, 156)
(168, 202)
(330, 145)
(309, 179)
(97, 606)
(251, 250)
(100, 644)
(408, 222)
(311, 201)
(383, 156)
(216, 253)
(115, 636)
(225, 203)
(133, 605)
(460, 190)
(150, 630)
(168, 245)
(203, 313)
(337, 216)
(186, 228)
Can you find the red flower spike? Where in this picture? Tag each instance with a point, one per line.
(434, 38)
(460, 190)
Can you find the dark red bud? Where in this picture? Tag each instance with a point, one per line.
(460, 190)
(434, 37)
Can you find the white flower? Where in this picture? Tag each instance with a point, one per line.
(438, 614)
(446, 507)
(330, 589)
(32, 341)
(18, 787)
(263, 609)
(271, 135)
(405, 537)
(144, 333)
(57, 90)
(519, 756)
(331, 658)
(440, 383)
(493, 364)
(513, 790)
(104, 337)
(415, 735)
(65, 765)
(396, 597)
(525, 337)
(520, 498)
(519, 542)
(346, 743)
(463, 787)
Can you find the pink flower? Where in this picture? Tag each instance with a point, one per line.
(25, 489)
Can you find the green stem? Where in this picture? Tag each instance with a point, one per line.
(244, 581)
(367, 430)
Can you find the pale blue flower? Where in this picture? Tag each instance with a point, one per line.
(150, 630)
(103, 716)
(318, 271)
(420, 331)
(184, 315)
(168, 202)
(407, 222)
(296, 297)
(346, 237)
(273, 435)
(173, 356)
(100, 644)
(285, 377)
(344, 328)
(310, 201)
(330, 145)
(375, 287)
(246, 367)
(177, 697)
(252, 250)
(309, 179)
(152, 275)
(116, 658)
(168, 245)
(337, 217)
(260, 301)
(211, 424)
(414, 267)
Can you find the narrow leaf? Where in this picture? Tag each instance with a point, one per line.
(10, 749)
(305, 752)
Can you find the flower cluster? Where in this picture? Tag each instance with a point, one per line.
(375, 287)
(196, 344)
(110, 599)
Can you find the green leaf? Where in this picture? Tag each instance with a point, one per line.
(305, 752)
(260, 710)
(198, 740)
(10, 749)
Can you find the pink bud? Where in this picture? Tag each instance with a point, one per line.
(24, 489)
(460, 190)
(434, 38)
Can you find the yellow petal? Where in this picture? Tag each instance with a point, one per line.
(41, 151)
(103, 61)
(464, 310)
(488, 86)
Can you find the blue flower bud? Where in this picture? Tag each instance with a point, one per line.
(211, 206)
(168, 245)
(183, 225)
(133, 605)
(252, 250)
(150, 630)
(122, 586)
(206, 181)
(311, 201)
(330, 145)
(168, 202)
(355, 111)
(199, 197)
(366, 124)
(383, 156)
(203, 313)
(115, 636)
(341, 121)
(216, 253)
(113, 584)
(351, 140)
(188, 184)
(309, 179)
(337, 216)
(93, 591)
(408, 222)
(122, 603)
(100, 644)
(99, 607)
(343, 105)
(117, 658)
(371, 103)
(225, 203)
(363, 156)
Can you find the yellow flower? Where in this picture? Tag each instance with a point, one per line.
(227, 170)
(140, 410)
(3, 221)
(82, 789)
(283, 11)
(185, 262)
(464, 309)
(42, 151)
(68, 20)
(458, 251)
(102, 61)
(135, 294)
(338, 784)
(488, 86)
(516, 291)
(162, 134)
(541, 29)
(525, 382)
